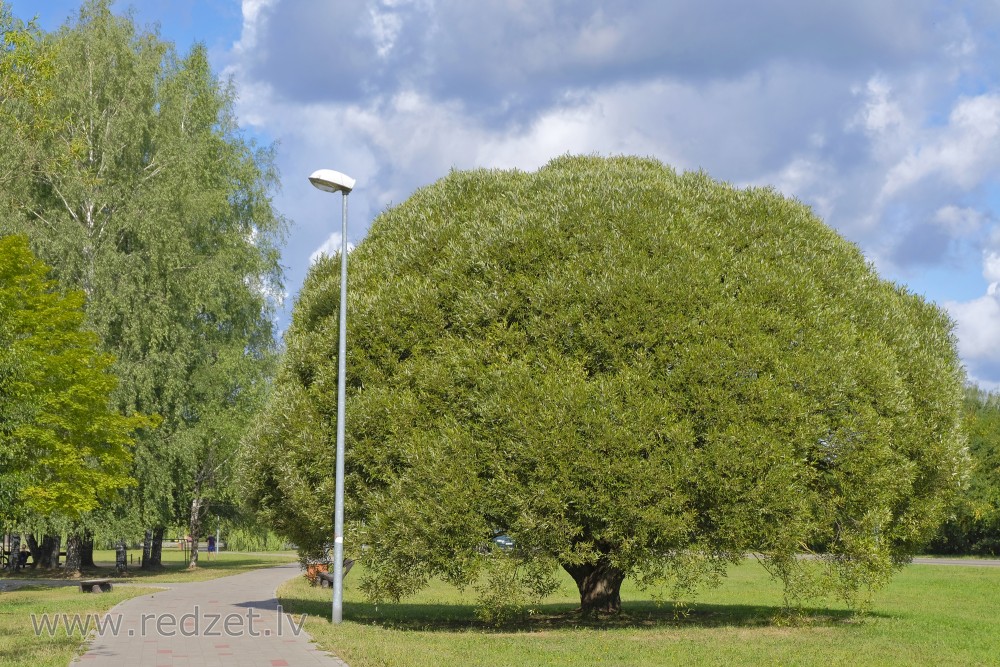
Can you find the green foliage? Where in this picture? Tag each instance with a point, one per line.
(973, 524)
(131, 178)
(293, 473)
(22, 69)
(252, 539)
(619, 366)
(63, 448)
(511, 585)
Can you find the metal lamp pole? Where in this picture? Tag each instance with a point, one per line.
(334, 181)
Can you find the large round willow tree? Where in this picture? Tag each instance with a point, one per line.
(631, 372)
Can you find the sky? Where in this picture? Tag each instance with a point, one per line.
(882, 115)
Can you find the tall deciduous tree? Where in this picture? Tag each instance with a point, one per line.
(973, 524)
(632, 373)
(64, 449)
(138, 187)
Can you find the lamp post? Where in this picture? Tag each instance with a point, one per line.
(328, 180)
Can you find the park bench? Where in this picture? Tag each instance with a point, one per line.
(326, 578)
(95, 585)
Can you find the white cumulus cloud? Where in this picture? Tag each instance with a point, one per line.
(892, 136)
(964, 152)
(330, 247)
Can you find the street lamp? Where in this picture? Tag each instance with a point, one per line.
(328, 180)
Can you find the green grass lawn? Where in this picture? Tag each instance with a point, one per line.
(19, 644)
(174, 567)
(929, 615)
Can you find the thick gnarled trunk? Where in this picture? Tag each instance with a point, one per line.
(87, 550)
(74, 555)
(156, 551)
(50, 551)
(153, 560)
(600, 586)
(36, 551)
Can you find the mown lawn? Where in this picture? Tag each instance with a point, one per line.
(174, 567)
(20, 644)
(929, 615)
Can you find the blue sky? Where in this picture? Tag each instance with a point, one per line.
(883, 115)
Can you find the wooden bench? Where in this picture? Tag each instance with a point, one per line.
(325, 579)
(95, 585)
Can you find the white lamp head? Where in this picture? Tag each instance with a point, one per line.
(329, 180)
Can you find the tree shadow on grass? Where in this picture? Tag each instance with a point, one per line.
(429, 617)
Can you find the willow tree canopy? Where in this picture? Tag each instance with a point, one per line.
(629, 371)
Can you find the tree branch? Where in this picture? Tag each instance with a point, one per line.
(62, 198)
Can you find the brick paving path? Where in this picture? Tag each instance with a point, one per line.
(227, 621)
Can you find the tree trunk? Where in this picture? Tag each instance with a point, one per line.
(86, 550)
(154, 562)
(146, 544)
(74, 546)
(195, 529)
(36, 551)
(599, 584)
(50, 551)
(121, 557)
(15, 552)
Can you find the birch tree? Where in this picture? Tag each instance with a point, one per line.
(141, 190)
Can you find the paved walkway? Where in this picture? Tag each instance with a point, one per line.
(227, 621)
